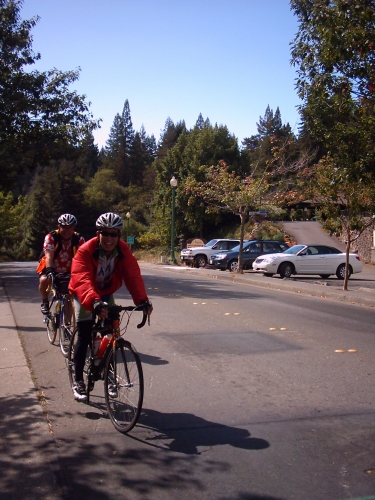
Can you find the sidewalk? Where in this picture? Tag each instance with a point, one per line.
(27, 458)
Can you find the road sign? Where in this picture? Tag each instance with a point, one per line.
(130, 240)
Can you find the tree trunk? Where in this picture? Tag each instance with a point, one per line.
(348, 242)
(240, 260)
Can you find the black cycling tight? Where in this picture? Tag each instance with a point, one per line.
(80, 349)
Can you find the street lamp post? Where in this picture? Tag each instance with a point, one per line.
(173, 182)
(127, 231)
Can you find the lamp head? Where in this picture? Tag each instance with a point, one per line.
(173, 182)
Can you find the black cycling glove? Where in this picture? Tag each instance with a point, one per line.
(98, 305)
(50, 271)
(146, 305)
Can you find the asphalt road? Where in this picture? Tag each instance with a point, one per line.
(311, 233)
(246, 397)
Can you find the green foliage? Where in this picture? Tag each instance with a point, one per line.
(226, 190)
(40, 118)
(189, 158)
(334, 49)
(103, 192)
(55, 190)
(267, 231)
(12, 226)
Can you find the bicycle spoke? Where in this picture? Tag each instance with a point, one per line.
(123, 384)
(50, 318)
(65, 328)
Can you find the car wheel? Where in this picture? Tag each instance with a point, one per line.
(233, 266)
(200, 261)
(286, 270)
(269, 275)
(324, 276)
(340, 273)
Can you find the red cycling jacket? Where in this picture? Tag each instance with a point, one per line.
(84, 268)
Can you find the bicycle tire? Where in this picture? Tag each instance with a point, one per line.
(51, 318)
(65, 330)
(124, 410)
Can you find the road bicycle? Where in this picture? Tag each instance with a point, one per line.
(60, 318)
(117, 363)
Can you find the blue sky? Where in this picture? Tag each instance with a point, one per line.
(225, 59)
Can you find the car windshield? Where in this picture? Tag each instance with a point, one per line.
(295, 249)
(237, 247)
(211, 243)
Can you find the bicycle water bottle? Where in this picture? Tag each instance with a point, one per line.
(103, 345)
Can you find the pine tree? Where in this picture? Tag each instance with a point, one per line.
(169, 136)
(88, 161)
(200, 122)
(118, 146)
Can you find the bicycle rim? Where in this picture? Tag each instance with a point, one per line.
(51, 319)
(124, 410)
(65, 329)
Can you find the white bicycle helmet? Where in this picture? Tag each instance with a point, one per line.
(109, 221)
(67, 220)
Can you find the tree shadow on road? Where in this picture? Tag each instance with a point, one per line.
(170, 464)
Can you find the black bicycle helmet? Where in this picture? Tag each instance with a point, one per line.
(109, 221)
(67, 220)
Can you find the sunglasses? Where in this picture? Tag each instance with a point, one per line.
(64, 226)
(111, 235)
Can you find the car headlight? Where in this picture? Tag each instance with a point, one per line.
(220, 256)
(270, 259)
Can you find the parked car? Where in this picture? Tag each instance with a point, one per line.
(251, 250)
(308, 259)
(199, 256)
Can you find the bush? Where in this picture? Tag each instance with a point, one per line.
(267, 231)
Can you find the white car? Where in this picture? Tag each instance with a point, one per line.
(198, 256)
(307, 259)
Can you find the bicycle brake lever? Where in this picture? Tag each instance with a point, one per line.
(142, 323)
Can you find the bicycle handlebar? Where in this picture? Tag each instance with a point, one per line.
(115, 310)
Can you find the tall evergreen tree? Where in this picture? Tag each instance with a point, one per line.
(118, 146)
(88, 161)
(200, 122)
(169, 136)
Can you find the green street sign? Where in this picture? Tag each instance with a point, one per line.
(130, 240)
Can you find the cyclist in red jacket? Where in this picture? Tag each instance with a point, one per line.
(59, 248)
(99, 268)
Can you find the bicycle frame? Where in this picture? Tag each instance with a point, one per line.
(119, 367)
(57, 318)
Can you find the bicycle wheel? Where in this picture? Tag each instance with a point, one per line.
(65, 327)
(123, 386)
(51, 319)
